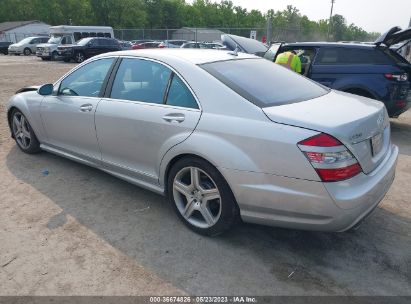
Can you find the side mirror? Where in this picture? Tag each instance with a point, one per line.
(46, 89)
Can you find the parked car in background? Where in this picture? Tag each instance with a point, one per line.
(88, 47)
(194, 45)
(27, 46)
(172, 43)
(216, 46)
(266, 145)
(125, 45)
(68, 34)
(370, 70)
(243, 44)
(4, 47)
(141, 41)
(146, 45)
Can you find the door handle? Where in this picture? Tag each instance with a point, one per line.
(86, 108)
(174, 117)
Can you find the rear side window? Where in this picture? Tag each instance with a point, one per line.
(179, 95)
(264, 83)
(336, 56)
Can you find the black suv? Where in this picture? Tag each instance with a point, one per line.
(371, 70)
(88, 47)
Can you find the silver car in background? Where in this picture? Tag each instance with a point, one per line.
(27, 46)
(224, 135)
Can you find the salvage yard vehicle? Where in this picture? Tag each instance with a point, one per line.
(27, 46)
(88, 47)
(267, 146)
(68, 34)
(369, 70)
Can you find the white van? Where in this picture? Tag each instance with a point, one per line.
(67, 34)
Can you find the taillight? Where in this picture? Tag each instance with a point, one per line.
(398, 77)
(331, 160)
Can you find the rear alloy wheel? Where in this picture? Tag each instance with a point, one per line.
(201, 197)
(23, 134)
(79, 57)
(27, 52)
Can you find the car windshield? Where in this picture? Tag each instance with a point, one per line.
(84, 41)
(55, 40)
(263, 83)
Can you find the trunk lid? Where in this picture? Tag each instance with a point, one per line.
(358, 122)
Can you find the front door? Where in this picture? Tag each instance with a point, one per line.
(68, 115)
(149, 110)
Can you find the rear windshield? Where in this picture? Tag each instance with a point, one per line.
(264, 83)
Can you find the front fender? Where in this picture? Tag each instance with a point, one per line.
(29, 104)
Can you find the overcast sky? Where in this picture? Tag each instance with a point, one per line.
(371, 15)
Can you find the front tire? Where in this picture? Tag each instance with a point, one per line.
(23, 133)
(27, 52)
(54, 56)
(201, 197)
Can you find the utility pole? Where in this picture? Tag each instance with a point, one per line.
(330, 23)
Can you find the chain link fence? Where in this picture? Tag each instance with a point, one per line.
(195, 34)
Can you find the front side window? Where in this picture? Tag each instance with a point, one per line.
(141, 80)
(264, 83)
(179, 95)
(87, 80)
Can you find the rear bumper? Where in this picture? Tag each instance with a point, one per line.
(300, 204)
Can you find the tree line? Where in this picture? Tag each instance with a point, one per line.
(171, 14)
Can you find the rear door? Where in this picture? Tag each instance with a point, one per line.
(148, 110)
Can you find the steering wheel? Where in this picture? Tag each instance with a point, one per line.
(69, 91)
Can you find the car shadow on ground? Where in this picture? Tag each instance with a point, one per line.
(250, 259)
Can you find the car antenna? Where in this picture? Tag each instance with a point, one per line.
(235, 52)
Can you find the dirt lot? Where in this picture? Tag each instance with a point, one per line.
(78, 231)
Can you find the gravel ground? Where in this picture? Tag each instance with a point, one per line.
(78, 231)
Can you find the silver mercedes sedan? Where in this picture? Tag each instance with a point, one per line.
(225, 136)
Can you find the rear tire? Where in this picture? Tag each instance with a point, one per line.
(79, 57)
(23, 133)
(27, 52)
(201, 197)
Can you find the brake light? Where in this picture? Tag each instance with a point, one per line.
(321, 140)
(400, 104)
(330, 158)
(398, 77)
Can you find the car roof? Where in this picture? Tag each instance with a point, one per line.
(331, 44)
(194, 56)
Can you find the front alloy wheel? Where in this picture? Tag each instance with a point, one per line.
(23, 134)
(201, 196)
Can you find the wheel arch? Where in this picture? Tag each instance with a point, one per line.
(359, 90)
